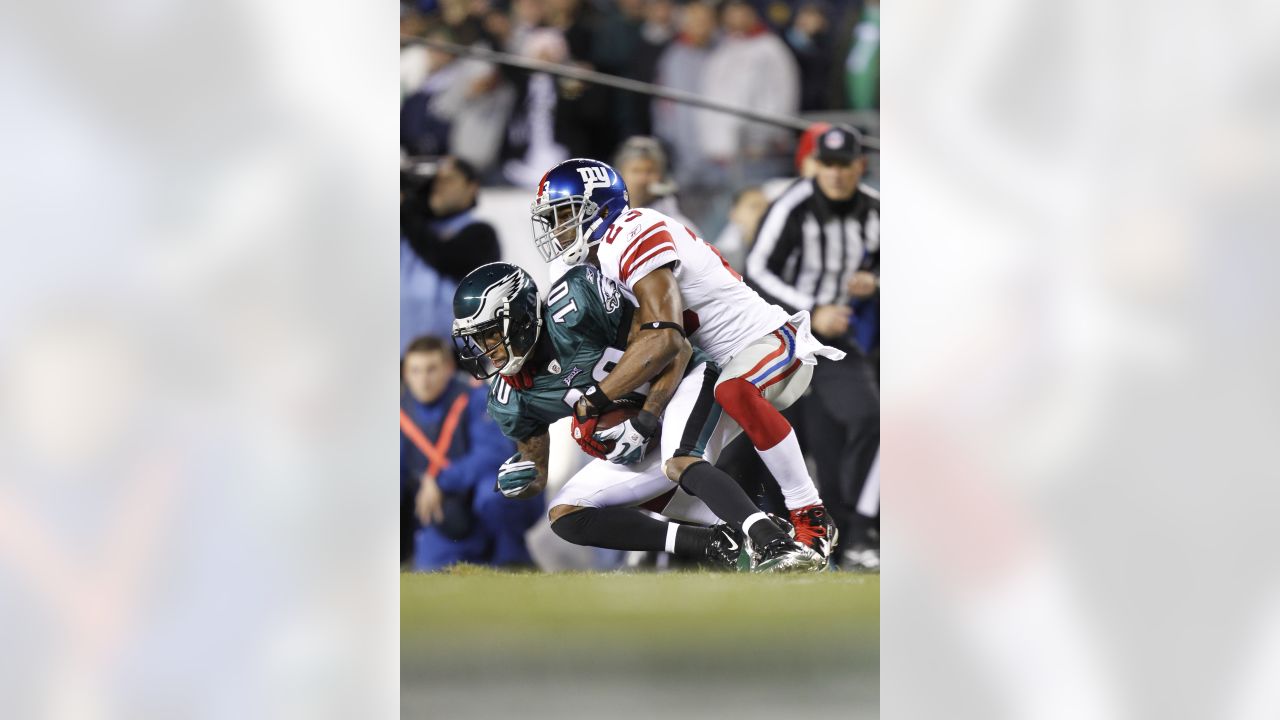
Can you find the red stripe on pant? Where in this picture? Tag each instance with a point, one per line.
(759, 419)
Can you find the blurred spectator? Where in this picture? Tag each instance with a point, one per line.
(681, 67)
(461, 108)
(616, 36)
(585, 123)
(531, 137)
(425, 297)
(576, 22)
(439, 221)
(526, 16)
(862, 67)
(657, 32)
(628, 43)
(558, 118)
(462, 18)
(440, 242)
(810, 40)
(749, 68)
(806, 164)
(817, 249)
(450, 450)
(413, 54)
(642, 163)
(744, 219)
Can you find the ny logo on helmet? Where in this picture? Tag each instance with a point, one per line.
(593, 177)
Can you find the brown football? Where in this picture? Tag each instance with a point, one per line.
(614, 417)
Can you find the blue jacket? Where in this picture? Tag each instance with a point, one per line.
(426, 299)
(864, 326)
(478, 446)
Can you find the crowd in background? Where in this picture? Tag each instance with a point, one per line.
(780, 57)
(470, 127)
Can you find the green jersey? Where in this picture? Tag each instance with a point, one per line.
(584, 333)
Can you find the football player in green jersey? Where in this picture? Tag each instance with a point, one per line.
(540, 357)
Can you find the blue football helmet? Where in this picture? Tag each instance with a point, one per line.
(577, 201)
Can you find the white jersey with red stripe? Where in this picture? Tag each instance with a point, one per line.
(722, 314)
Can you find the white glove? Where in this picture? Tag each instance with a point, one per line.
(631, 438)
(516, 475)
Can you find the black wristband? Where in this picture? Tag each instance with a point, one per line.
(596, 399)
(646, 423)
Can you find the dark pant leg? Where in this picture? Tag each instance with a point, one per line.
(843, 419)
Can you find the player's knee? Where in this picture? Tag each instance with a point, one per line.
(735, 393)
(674, 467)
(559, 511)
(570, 523)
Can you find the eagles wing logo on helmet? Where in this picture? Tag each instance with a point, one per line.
(495, 295)
(498, 296)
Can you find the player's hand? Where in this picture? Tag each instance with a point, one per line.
(831, 320)
(430, 501)
(631, 438)
(516, 476)
(586, 413)
(584, 430)
(863, 284)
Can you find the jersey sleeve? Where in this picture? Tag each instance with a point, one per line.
(651, 248)
(505, 406)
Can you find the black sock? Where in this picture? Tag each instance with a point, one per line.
(727, 500)
(615, 528)
(691, 542)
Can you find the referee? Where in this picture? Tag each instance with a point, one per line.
(818, 249)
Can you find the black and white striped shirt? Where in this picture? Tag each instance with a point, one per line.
(807, 247)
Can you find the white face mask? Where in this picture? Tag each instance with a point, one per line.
(546, 229)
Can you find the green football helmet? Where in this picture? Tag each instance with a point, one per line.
(502, 296)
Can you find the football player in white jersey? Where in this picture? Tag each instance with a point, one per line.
(684, 288)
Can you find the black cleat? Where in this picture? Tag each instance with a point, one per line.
(726, 550)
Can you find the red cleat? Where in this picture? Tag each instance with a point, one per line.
(814, 529)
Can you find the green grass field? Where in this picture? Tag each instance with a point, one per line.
(480, 643)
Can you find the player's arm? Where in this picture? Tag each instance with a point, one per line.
(633, 437)
(665, 383)
(657, 351)
(651, 349)
(524, 474)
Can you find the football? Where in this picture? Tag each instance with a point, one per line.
(617, 414)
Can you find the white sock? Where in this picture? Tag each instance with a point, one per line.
(786, 462)
(751, 520)
(672, 529)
